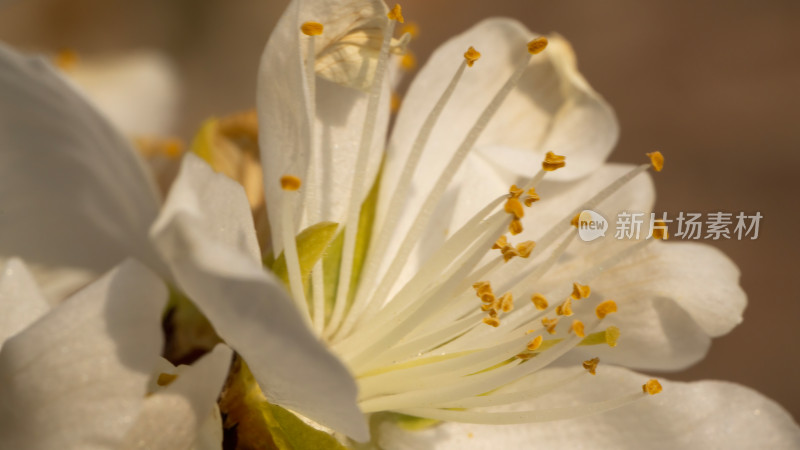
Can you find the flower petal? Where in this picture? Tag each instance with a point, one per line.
(137, 91)
(327, 170)
(700, 415)
(173, 417)
(552, 109)
(21, 302)
(77, 377)
(211, 257)
(74, 192)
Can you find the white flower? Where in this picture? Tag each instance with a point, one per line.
(409, 335)
(76, 376)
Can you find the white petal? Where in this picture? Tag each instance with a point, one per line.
(137, 91)
(211, 432)
(172, 418)
(282, 100)
(74, 192)
(77, 377)
(552, 109)
(21, 302)
(221, 203)
(249, 308)
(700, 415)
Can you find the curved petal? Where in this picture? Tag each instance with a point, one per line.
(672, 297)
(21, 302)
(209, 254)
(283, 102)
(700, 415)
(172, 418)
(552, 109)
(74, 192)
(137, 91)
(77, 377)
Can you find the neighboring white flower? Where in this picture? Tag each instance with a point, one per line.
(76, 376)
(410, 335)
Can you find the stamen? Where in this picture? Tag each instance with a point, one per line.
(531, 197)
(537, 45)
(580, 291)
(165, 379)
(539, 302)
(550, 324)
(575, 220)
(312, 28)
(66, 59)
(565, 309)
(660, 230)
(514, 206)
(411, 28)
(578, 328)
(471, 56)
(591, 365)
(500, 243)
(605, 308)
(358, 179)
(491, 321)
(525, 248)
(408, 62)
(396, 14)
(515, 227)
(657, 160)
(509, 252)
(506, 302)
(652, 387)
(535, 343)
(394, 209)
(553, 162)
(290, 183)
(515, 191)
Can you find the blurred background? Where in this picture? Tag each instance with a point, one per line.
(715, 85)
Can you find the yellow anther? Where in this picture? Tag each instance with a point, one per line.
(509, 252)
(535, 343)
(290, 183)
(491, 321)
(514, 206)
(471, 56)
(525, 356)
(515, 227)
(553, 162)
(657, 160)
(312, 28)
(396, 14)
(408, 62)
(66, 59)
(500, 243)
(507, 302)
(412, 28)
(478, 285)
(578, 328)
(652, 387)
(612, 336)
(539, 301)
(515, 191)
(575, 220)
(605, 308)
(550, 325)
(660, 230)
(173, 148)
(486, 307)
(525, 248)
(165, 379)
(537, 45)
(487, 297)
(591, 365)
(580, 291)
(396, 102)
(565, 309)
(532, 197)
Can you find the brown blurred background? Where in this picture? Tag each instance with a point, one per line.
(715, 85)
